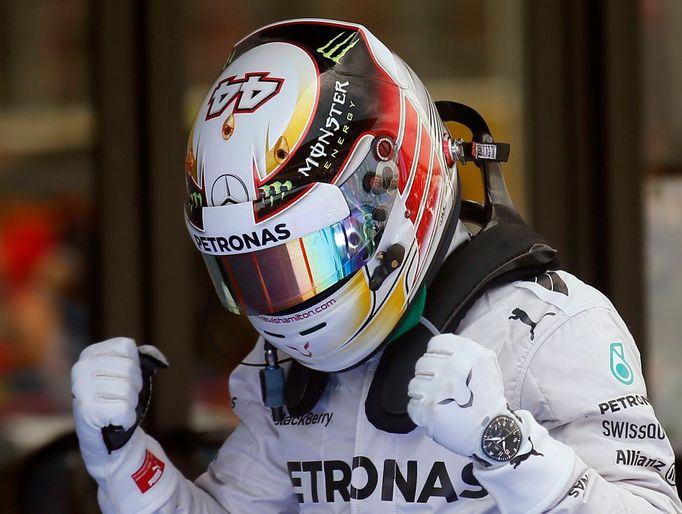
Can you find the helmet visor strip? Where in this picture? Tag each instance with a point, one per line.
(273, 279)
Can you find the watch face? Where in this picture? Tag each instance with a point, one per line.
(501, 439)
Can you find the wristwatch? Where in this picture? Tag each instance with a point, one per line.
(501, 439)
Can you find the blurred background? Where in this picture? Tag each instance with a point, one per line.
(96, 98)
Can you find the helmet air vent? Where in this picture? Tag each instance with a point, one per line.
(281, 150)
(228, 127)
(309, 331)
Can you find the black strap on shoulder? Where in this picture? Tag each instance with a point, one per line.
(502, 254)
(303, 389)
(386, 405)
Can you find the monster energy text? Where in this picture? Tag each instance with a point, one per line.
(327, 144)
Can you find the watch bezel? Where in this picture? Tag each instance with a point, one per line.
(487, 435)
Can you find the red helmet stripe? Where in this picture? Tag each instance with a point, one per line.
(427, 222)
(420, 176)
(409, 144)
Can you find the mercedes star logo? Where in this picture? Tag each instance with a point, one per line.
(228, 189)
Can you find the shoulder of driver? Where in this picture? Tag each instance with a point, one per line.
(563, 350)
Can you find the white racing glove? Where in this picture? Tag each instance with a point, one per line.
(456, 392)
(457, 389)
(106, 384)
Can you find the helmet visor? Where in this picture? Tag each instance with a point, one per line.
(273, 279)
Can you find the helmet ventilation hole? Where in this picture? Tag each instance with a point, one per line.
(281, 150)
(379, 214)
(228, 127)
(373, 183)
(273, 334)
(313, 329)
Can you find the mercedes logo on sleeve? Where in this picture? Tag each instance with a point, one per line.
(228, 189)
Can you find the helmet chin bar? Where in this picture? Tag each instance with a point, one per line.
(487, 155)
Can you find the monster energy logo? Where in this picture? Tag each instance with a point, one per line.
(276, 188)
(335, 52)
(195, 199)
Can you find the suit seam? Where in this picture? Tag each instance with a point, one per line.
(525, 367)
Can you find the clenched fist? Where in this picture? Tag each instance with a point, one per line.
(456, 391)
(106, 385)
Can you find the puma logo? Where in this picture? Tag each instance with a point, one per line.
(520, 458)
(524, 318)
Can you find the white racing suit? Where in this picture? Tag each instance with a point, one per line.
(565, 356)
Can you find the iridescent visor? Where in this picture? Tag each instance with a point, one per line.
(276, 278)
(323, 241)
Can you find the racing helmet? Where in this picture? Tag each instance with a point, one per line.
(318, 189)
